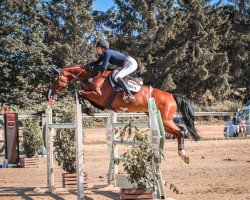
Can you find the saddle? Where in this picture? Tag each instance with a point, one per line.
(134, 84)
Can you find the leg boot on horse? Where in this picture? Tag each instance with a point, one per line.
(85, 109)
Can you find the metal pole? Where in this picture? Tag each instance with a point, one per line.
(79, 150)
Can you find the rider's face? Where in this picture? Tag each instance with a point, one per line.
(100, 50)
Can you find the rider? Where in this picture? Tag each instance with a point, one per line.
(106, 56)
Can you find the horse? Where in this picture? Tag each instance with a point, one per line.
(97, 90)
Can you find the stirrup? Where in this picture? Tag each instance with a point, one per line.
(129, 98)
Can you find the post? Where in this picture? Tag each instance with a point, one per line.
(112, 147)
(115, 147)
(157, 137)
(49, 148)
(79, 150)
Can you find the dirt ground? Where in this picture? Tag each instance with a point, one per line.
(218, 169)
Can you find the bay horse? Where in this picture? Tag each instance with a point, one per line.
(97, 89)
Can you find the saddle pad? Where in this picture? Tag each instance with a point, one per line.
(133, 86)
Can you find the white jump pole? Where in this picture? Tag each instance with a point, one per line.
(49, 149)
(79, 150)
(50, 129)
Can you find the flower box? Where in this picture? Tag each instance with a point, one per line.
(136, 194)
(29, 162)
(70, 180)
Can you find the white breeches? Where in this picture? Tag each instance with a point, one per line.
(129, 67)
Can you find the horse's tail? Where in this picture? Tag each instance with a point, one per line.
(185, 107)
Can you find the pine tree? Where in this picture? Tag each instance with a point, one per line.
(33, 36)
(178, 44)
(23, 56)
(32, 138)
(237, 47)
(202, 69)
(70, 31)
(140, 28)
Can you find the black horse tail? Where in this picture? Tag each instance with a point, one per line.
(187, 111)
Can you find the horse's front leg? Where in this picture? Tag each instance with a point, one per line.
(86, 95)
(85, 109)
(91, 95)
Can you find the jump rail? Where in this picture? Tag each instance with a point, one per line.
(106, 115)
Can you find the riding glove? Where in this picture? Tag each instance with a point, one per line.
(89, 67)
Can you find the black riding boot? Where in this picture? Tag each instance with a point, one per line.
(122, 83)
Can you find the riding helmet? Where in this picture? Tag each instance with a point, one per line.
(102, 43)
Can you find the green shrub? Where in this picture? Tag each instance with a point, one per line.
(143, 161)
(65, 149)
(64, 142)
(32, 138)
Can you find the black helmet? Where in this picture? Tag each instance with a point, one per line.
(102, 43)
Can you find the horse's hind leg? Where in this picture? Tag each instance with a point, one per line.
(173, 129)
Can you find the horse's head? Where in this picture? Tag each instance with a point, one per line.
(58, 84)
(62, 78)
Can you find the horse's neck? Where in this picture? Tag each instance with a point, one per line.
(77, 71)
(73, 69)
(73, 72)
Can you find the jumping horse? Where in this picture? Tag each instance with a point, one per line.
(97, 89)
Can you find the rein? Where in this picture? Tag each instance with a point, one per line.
(90, 80)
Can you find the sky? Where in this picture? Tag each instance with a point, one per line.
(103, 5)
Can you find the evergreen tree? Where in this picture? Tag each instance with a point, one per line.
(202, 69)
(140, 27)
(188, 47)
(178, 44)
(23, 55)
(70, 31)
(36, 34)
(237, 47)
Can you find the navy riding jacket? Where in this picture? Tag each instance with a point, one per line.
(110, 56)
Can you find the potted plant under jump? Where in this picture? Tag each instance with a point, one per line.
(65, 154)
(32, 143)
(141, 165)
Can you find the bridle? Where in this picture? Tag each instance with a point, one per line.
(61, 78)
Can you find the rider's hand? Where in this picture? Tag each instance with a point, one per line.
(88, 67)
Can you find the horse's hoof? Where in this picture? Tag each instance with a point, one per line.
(89, 111)
(186, 159)
(183, 155)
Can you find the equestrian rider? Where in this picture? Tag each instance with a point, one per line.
(106, 56)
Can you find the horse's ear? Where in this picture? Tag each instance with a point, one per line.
(54, 71)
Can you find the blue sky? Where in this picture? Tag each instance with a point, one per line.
(104, 5)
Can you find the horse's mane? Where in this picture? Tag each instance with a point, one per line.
(106, 73)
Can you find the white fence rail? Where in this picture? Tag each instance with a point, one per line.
(105, 115)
